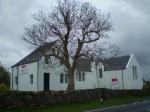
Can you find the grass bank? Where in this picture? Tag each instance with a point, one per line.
(78, 107)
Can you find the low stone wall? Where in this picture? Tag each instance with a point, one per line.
(16, 99)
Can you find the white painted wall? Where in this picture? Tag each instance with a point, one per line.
(107, 79)
(55, 70)
(131, 83)
(24, 77)
(87, 84)
(13, 75)
(125, 77)
(100, 81)
(92, 79)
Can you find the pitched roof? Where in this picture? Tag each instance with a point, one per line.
(35, 55)
(117, 63)
(110, 64)
(84, 65)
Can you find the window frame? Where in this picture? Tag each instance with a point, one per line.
(80, 76)
(16, 80)
(83, 76)
(136, 75)
(100, 73)
(31, 78)
(47, 60)
(134, 72)
(63, 78)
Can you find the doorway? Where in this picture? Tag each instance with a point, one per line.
(46, 81)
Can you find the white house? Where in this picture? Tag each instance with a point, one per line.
(37, 73)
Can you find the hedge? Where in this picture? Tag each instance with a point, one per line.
(14, 99)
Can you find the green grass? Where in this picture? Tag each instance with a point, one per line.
(78, 107)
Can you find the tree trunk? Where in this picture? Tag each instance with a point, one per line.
(71, 82)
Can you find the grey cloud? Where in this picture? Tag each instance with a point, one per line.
(14, 16)
(141, 5)
(130, 19)
(132, 24)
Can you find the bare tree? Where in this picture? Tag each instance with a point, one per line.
(105, 49)
(75, 27)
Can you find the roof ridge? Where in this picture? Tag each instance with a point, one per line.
(117, 57)
(25, 57)
(34, 55)
(116, 63)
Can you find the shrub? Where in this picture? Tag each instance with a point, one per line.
(147, 85)
(15, 99)
(4, 88)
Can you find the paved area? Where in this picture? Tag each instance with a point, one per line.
(142, 106)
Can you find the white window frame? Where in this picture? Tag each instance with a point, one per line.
(134, 70)
(63, 78)
(47, 60)
(100, 71)
(31, 79)
(80, 77)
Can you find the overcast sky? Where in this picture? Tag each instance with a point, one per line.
(130, 20)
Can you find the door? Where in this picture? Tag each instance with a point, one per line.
(46, 81)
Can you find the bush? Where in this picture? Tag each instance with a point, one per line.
(15, 99)
(147, 85)
(4, 88)
(4, 75)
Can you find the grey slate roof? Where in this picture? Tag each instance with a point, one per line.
(110, 64)
(117, 63)
(35, 55)
(84, 65)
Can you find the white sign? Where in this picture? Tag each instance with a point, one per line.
(24, 69)
(115, 81)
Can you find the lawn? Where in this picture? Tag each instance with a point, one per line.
(78, 107)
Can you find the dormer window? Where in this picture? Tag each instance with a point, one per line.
(47, 59)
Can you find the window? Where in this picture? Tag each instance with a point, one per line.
(31, 79)
(63, 78)
(66, 78)
(47, 59)
(81, 76)
(16, 80)
(134, 69)
(100, 73)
